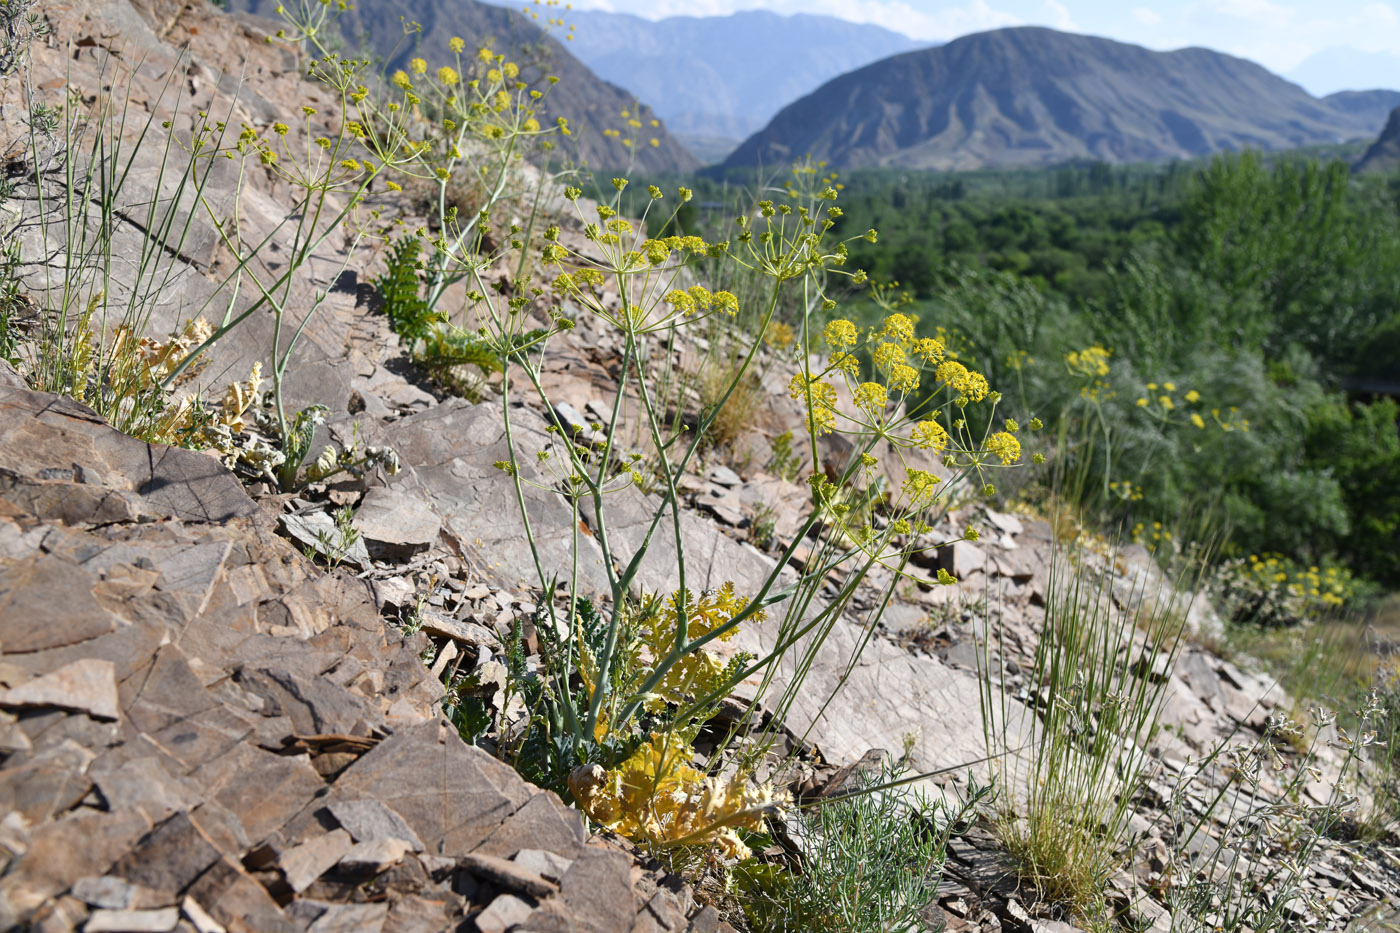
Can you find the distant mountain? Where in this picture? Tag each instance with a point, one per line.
(1372, 106)
(590, 104)
(1384, 154)
(1034, 96)
(1346, 69)
(724, 77)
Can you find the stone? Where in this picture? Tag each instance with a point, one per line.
(373, 857)
(962, 558)
(371, 820)
(30, 618)
(169, 693)
(88, 686)
(350, 918)
(115, 893)
(504, 913)
(468, 633)
(315, 704)
(415, 914)
(395, 524)
(169, 858)
(46, 784)
(1005, 521)
(317, 531)
(546, 864)
(468, 796)
(723, 476)
(199, 918)
(593, 890)
(38, 429)
(543, 821)
(512, 876)
(237, 901)
(261, 789)
(303, 864)
(132, 921)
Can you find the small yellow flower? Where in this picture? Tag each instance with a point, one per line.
(418, 66)
(845, 363)
(1005, 446)
(1193, 396)
(872, 398)
(921, 487)
(929, 435)
(841, 334)
(483, 54)
(888, 355)
(899, 327)
(904, 378)
(447, 75)
(1197, 420)
(456, 44)
(929, 349)
(822, 416)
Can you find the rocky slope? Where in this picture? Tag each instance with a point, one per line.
(1033, 96)
(1384, 154)
(208, 731)
(721, 78)
(590, 104)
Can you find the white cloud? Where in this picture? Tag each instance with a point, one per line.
(1060, 18)
(1146, 15)
(1258, 13)
(1379, 14)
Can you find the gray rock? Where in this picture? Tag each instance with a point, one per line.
(723, 476)
(503, 913)
(317, 531)
(161, 920)
(88, 685)
(305, 863)
(543, 863)
(396, 525)
(371, 820)
(371, 858)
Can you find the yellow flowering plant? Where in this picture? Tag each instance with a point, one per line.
(631, 678)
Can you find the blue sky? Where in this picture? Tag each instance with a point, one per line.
(1279, 34)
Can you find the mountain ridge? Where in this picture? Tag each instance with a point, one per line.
(591, 104)
(1384, 153)
(726, 76)
(1033, 96)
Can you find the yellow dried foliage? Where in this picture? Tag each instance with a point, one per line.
(655, 796)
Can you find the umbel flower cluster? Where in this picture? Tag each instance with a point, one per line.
(880, 405)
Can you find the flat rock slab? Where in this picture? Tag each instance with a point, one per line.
(49, 436)
(88, 685)
(395, 524)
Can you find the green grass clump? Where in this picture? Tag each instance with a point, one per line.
(1069, 769)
